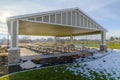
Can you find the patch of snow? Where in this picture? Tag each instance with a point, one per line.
(27, 65)
(90, 58)
(38, 65)
(109, 64)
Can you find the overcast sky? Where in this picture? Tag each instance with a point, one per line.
(105, 12)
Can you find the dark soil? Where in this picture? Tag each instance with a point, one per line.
(3, 66)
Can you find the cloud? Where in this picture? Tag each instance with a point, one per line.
(31, 6)
(98, 4)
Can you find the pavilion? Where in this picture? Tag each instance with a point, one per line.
(58, 23)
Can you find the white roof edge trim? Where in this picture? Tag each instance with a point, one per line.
(41, 13)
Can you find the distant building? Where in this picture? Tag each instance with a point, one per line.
(114, 38)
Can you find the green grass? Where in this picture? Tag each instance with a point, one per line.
(111, 45)
(55, 73)
(52, 73)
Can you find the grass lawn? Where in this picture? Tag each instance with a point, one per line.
(52, 73)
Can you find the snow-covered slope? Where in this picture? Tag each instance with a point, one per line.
(108, 65)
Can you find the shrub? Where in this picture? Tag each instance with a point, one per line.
(85, 64)
(104, 60)
(3, 56)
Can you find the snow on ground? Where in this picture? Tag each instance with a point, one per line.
(108, 65)
(97, 55)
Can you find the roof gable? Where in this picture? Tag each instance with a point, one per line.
(72, 17)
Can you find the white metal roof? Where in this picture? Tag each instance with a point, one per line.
(61, 22)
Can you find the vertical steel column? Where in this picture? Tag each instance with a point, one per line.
(103, 46)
